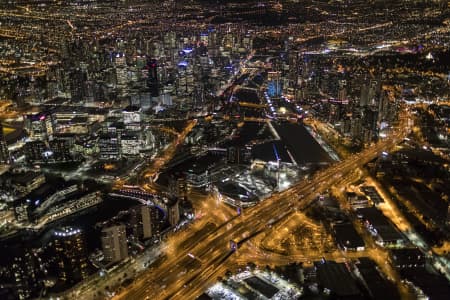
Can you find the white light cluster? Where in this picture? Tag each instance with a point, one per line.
(68, 231)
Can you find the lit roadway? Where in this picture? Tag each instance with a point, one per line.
(167, 154)
(189, 269)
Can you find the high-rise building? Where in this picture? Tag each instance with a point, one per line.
(71, 254)
(370, 118)
(35, 151)
(121, 69)
(24, 270)
(157, 219)
(152, 79)
(275, 86)
(342, 92)
(4, 153)
(166, 99)
(185, 80)
(114, 243)
(383, 107)
(293, 60)
(39, 126)
(374, 92)
(22, 212)
(132, 114)
(364, 97)
(142, 220)
(131, 143)
(77, 78)
(60, 150)
(238, 155)
(109, 146)
(173, 210)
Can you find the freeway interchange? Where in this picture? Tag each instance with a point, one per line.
(206, 254)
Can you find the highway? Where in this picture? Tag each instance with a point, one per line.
(182, 275)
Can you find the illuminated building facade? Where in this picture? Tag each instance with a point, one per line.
(71, 254)
(114, 243)
(24, 271)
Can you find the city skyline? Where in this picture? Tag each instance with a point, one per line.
(290, 149)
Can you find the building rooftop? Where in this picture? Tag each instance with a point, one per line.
(236, 191)
(336, 277)
(436, 287)
(382, 225)
(346, 236)
(377, 286)
(408, 257)
(261, 286)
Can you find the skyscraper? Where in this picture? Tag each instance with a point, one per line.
(39, 126)
(114, 243)
(173, 210)
(24, 271)
(34, 151)
(77, 80)
(152, 79)
(141, 223)
(110, 146)
(275, 86)
(71, 254)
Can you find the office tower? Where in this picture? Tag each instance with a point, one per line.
(374, 92)
(35, 150)
(364, 97)
(22, 212)
(77, 78)
(114, 243)
(173, 210)
(142, 218)
(370, 119)
(383, 107)
(131, 143)
(132, 114)
(185, 79)
(39, 126)
(121, 69)
(146, 222)
(152, 79)
(275, 86)
(293, 60)
(71, 255)
(109, 146)
(4, 153)
(166, 99)
(157, 220)
(24, 270)
(60, 150)
(342, 91)
(238, 155)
